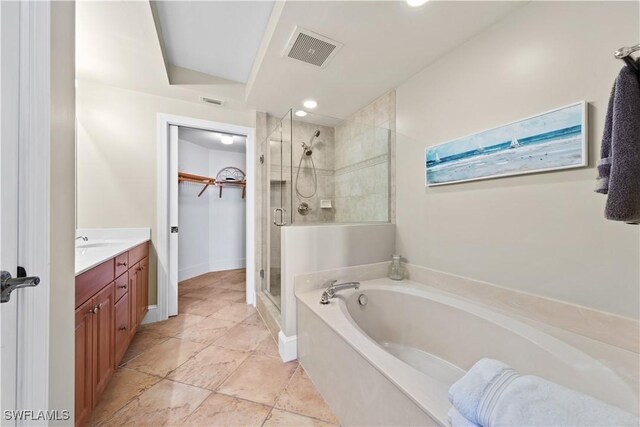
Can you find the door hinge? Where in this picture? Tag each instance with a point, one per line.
(174, 229)
(261, 158)
(262, 273)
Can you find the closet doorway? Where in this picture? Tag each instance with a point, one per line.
(211, 219)
(205, 198)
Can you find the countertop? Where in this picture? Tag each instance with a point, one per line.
(104, 244)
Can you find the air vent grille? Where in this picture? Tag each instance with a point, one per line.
(312, 48)
(211, 100)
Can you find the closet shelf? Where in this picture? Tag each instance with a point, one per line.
(227, 177)
(198, 179)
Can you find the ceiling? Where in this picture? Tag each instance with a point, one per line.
(385, 43)
(117, 45)
(220, 38)
(131, 44)
(211, 140)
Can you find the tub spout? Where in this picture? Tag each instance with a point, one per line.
(330, 292)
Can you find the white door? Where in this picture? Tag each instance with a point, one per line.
(9, 143)
(21, 122)
(173, 221)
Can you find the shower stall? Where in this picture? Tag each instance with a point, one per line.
(318, 170)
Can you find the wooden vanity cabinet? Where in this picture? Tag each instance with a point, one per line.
(111, 302)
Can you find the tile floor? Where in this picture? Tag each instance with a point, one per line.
(215, 364)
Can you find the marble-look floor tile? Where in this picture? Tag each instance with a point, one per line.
(279, 418)
(254, 319)
(186, 303)
(165, 357)
(259, 379)
(206, 307)
(221, 410)
(235, 312)
(166, 403)
(173, 326)
(142, 341)
(268, 347)
(243, 336)
(232, 295)
(300, 396)
(209, 368)
(206, 331)
(125, 384)
(205, 292)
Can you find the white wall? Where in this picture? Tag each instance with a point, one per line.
(193, 212)
(545, 233)
(227, 231)
(212, 229)
(117, 156)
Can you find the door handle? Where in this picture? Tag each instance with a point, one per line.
(9, 284)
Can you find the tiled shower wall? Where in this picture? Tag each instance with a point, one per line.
(323, 159)
(364, 144)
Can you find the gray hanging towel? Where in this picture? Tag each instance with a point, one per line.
(619, 164)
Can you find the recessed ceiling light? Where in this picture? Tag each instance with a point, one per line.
(226, 139)
(301, 113)
(310, 103)
(416, 3)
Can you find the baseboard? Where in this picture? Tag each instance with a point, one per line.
(227, 264)
(288, 347)
(152, 316)
(193, 271)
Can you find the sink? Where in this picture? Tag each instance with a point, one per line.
(93, 245)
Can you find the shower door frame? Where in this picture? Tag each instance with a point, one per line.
(268, 217)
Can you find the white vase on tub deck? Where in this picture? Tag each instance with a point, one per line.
(400, 353)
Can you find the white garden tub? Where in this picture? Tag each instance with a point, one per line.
(392, 361)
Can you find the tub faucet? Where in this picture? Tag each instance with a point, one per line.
(84, 238)
(330, 292)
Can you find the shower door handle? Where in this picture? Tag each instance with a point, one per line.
(283, 217)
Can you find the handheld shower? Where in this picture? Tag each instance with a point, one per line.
(308, 149)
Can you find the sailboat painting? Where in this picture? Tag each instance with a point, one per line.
(549, 141)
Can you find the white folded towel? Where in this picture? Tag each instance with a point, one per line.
(492, 394)
(456, 419)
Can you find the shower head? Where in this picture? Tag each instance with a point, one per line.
(308, 149)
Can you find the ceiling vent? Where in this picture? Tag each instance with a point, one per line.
(211, 100)
(312, 48)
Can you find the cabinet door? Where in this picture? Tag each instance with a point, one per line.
(104, 328)
(143, 289)
(84, 361)
(133, 298)
(122, 327)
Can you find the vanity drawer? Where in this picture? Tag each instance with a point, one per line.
(122, 263)
(122, 328)
(122, 285)
(138, 253)
(92, 281)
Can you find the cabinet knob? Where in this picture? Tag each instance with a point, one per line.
(94, 310)
(99, 306)
(122, 286)
(124, 264)
(122, 328)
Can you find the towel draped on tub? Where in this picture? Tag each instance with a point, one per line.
(492, 394)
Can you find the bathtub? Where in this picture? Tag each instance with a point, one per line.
(392, 361)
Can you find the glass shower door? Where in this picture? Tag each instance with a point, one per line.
(277, 204)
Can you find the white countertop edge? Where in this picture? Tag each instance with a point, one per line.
(127, 238)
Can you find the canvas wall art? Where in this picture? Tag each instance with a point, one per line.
(552, 140)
